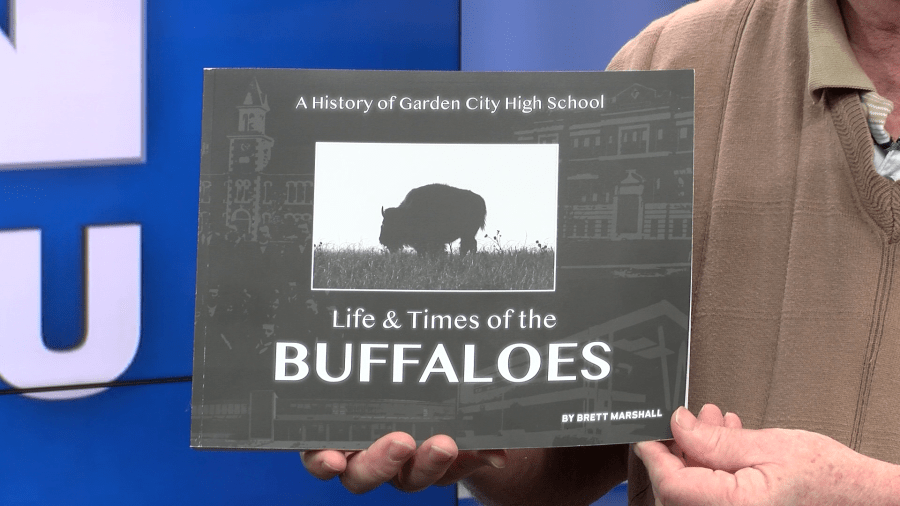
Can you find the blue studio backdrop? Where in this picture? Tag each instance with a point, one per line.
(128, 444)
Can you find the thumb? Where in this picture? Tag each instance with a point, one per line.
(714, 446)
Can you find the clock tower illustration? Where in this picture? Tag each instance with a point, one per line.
(249, 151)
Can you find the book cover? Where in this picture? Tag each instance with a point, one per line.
(500, 257)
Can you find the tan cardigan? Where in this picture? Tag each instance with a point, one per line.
(796, 294)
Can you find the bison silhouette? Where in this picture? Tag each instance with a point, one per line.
(431, 217)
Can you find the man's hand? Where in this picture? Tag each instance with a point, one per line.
(395, 459)
(715, 461)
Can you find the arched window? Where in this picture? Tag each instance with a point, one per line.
(240, 219)
(242, 191)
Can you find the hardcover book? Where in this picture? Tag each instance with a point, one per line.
(500, 257)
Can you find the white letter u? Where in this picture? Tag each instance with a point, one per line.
(112, 313)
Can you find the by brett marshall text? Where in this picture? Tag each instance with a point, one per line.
(516, 363)
(605, 416)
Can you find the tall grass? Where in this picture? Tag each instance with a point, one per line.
(521, 268)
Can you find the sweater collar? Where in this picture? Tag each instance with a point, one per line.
(831, 60)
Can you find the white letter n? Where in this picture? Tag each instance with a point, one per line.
(112, 313)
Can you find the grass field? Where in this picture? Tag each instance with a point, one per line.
(523, 268)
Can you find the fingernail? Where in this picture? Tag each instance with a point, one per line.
(438, 453)
(637, 450)
(684, 419)
(399, 451)
(328, 467)
(494, 460)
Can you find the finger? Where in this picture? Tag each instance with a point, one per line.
(711, 414)
(676, 485)
(661, 464)
(428, 464)
(675, 449)
(468, 462)
(657, 458)
(733, 421)
(324, 464)
(380, 463)
(715, 447)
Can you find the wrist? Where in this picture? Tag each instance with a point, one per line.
(862, 480)
(838, 476)
(883, 482)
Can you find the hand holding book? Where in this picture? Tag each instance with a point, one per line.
(394, 458)
(524, 476)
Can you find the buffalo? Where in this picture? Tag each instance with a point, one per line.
(431, 217)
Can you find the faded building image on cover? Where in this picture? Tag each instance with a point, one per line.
(581, 339)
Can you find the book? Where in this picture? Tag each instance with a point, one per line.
(504, 258)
